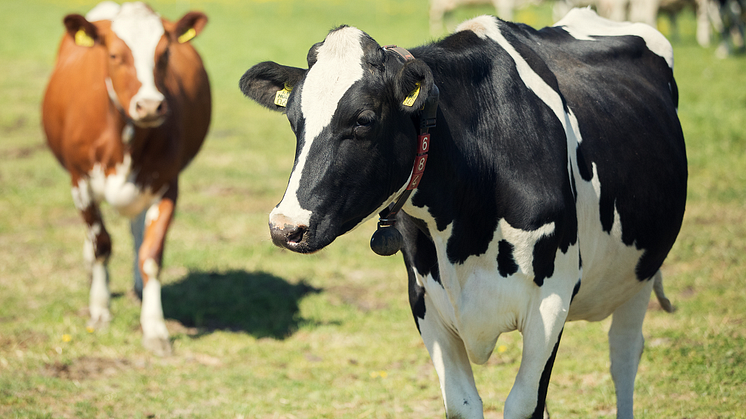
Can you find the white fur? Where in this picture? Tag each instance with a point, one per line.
(338, 66)
(152, 214)
(584, 24)
(100, 297)
(120, 190)
(141, 29)
(151, 314)
(81, 194)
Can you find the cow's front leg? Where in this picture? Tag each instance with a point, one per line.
(452, 364)
(150, 255)
(542, 330)
(96, 252)
(625, 347)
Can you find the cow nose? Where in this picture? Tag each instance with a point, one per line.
(150, 110)
(287, 235)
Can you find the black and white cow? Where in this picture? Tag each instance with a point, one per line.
(554, 188)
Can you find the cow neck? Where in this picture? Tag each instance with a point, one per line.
(387, 240)
(128, 132)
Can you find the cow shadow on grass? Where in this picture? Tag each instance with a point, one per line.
(257, 303)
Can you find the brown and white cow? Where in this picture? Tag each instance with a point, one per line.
(127, 107)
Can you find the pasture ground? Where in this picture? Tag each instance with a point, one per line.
(262, 333)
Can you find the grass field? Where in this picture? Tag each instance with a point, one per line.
(262, 333)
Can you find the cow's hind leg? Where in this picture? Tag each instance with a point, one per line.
(137, 226)
(625, 347)
(158, 217)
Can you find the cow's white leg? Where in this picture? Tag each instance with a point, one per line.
(157, 220)
(154, 332)
(542, 331)
(452, 365)
(625, 347)
(99, 299)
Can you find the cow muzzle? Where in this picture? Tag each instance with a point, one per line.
(149, 113)
(290, 236)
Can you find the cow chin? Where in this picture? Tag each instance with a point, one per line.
(149, 122)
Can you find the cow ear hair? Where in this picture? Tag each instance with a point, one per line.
(263, 81)
(83, 32)
(313, 54)
(189, 26)
(412, 85)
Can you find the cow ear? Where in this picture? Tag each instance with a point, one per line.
(270, 84)
(82, 31)
(189, 26)
(412, 85)
(313, 54)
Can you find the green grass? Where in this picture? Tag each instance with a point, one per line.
(262, 333)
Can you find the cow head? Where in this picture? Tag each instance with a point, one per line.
(137, 42)
(356, 140)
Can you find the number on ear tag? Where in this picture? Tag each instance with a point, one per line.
(83, 39)
(281, 97)
(187, 36)
(412, 96)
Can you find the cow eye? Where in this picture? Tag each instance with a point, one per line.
(365, 119)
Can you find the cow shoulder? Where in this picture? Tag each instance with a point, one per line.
(502, 109)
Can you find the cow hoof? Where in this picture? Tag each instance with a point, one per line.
(98, 322)
(157, 345)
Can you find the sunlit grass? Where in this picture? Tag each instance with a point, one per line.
(263, 333)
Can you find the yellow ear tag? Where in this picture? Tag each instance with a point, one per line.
(281, 97)
(187, 36)
(83, 39)
(412, 96)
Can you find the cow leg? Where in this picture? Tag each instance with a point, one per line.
(150, 255)
(452, 364)
(137, 227)
(625, 347)
(504, 8)
(541, 337)
(96, 252)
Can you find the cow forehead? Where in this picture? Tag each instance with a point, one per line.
(338, 67)
(140, 28)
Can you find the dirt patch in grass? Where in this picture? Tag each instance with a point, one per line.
(87, 368)
(23, 340)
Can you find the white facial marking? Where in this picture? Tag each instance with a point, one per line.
(585, 23)
(141, 29)
(338, 66)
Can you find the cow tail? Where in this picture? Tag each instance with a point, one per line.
(660, 295)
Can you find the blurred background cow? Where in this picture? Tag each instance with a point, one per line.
(723, 17)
